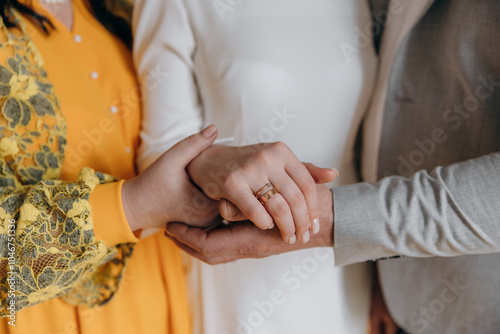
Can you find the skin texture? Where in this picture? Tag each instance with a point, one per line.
(147, 198)
(231, 212)
(164, 192)
(243, 171)
(245, 240)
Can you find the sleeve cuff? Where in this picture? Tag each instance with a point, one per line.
(359, 228)
(110, 223)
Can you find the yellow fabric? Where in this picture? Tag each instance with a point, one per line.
(106, 204)
(152, 296)
(46, 241)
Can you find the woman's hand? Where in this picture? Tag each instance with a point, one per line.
(164, 193)
(238, 173)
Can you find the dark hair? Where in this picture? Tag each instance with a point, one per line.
(113, 23)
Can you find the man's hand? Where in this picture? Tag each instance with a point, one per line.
(238, 173)
(245, 240)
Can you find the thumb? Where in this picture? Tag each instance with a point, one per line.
(230, 212)
(321, 175)
(189, 148)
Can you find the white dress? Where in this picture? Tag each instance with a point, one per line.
(297, 71)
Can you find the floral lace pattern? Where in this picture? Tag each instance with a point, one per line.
(56, 252)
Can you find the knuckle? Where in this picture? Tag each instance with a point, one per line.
(251, 249)
(297, 199)
(253, 213)
(231, 181)
(262, 157)
(281, 209)
(280, 147)
(309, 187)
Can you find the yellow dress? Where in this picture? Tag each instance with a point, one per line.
(93, 76)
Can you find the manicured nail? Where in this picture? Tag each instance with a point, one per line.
(315, 226)
(292, 240)
(336, 171)
(271, 227)
(209, 131)
(305, 237)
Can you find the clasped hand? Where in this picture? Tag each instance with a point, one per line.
(229, 178)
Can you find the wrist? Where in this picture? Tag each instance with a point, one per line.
(202, 169)
(325, 237)
(136, 213)
(128, 207)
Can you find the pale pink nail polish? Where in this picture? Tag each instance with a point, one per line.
(338, 174)
(305, 237)
(315, 224)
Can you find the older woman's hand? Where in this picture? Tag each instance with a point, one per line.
(164, 193)
(239, 173)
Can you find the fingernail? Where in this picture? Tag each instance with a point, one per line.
(316, 226)
(292, 240)
(305, 237)
(336, 171)
(209, 131)
(271, 227)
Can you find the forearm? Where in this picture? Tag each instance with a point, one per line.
(451, 211)
(326, 217)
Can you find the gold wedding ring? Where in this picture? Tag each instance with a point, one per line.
(267, 196)
(265, 188)
(265, 193)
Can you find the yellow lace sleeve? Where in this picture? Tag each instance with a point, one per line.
(47, 244)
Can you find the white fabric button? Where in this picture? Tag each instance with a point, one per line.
(113, 109)
(128, 150)
(94, 75)
(78, 38)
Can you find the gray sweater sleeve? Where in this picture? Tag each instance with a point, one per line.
(451, 211)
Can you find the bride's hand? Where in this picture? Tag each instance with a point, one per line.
(164, 193)
(238, 173)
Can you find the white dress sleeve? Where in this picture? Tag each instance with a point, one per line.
(163, 54)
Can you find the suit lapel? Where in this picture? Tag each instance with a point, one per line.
(402, 16)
